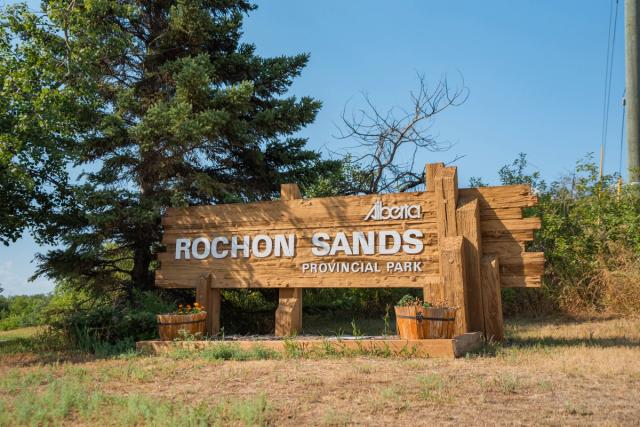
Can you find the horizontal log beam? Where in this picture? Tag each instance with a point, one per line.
(289, 283)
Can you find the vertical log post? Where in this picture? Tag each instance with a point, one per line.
(492, 298)
(289, 311)
(446, 193)
(433, 291)
(452, 276)
(209, 299)
(468, 224)
(459, 241)
(430, 175)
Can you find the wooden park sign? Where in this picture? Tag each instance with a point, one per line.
(460, 245)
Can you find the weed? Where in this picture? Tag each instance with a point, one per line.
(225, 351)
(354, 329)
(184, 335)
(394, 396)
(181, 353)
(509, 384)
(364, 369)
(581, 409)
(251, 412)
(334, 418)
(432, 387)
(13, 381)
(545, 386)
(387, 321)
(329, 349)
(261, 353)
(293, 349)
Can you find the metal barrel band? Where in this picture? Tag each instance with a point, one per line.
(181, 323)
(416, 317)
(420, 317)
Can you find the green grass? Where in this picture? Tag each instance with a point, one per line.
(432, 387)
(20, 333)
(226, 351)
(38, 398)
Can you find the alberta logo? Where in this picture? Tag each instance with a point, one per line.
(379, 212)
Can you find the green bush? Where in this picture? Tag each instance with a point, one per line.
(23, 310)
(590, 235)
(591, 239)
(107, 329)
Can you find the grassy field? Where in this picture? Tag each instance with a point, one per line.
(549, 372)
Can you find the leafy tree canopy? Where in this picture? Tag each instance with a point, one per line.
(160, 104)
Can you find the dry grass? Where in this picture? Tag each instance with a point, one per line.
(550, 373)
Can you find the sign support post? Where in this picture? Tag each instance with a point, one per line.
(289, 311)
(209, 298)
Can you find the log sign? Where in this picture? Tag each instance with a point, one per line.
(459, 245)
(341, 244)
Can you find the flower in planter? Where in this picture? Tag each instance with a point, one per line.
(196, 308)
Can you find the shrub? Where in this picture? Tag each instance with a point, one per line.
(107, 329)
(591, 238)
(23, 310)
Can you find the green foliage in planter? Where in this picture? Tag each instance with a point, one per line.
(408, 301)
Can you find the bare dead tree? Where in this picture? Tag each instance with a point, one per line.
(387, 143)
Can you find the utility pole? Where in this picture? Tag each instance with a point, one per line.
(631, 9)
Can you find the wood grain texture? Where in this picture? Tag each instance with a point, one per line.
(437, 322)
(521, 281)
(290, 192)
(453, 277)
(408, 324)
(302, 218)
(209, 298)
(175, 326)
(468, 224)
(492, 298)
(503, 232)
(289, 311)
(430, 172)
(446, 199)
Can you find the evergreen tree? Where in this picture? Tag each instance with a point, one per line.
(169, 108)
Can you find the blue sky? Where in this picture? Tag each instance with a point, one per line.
(535, 70)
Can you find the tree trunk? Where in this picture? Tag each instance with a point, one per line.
(140, 275)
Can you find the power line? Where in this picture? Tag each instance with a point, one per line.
(611, 39)
(624, 110)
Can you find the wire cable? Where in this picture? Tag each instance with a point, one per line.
(613, 25)
(624, 110)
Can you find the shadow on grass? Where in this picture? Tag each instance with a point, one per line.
(36, 350)
(492, 349)
(553, 342)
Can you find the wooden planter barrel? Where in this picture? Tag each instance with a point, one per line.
(438, 322)
(409, 322)
(170, 325)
